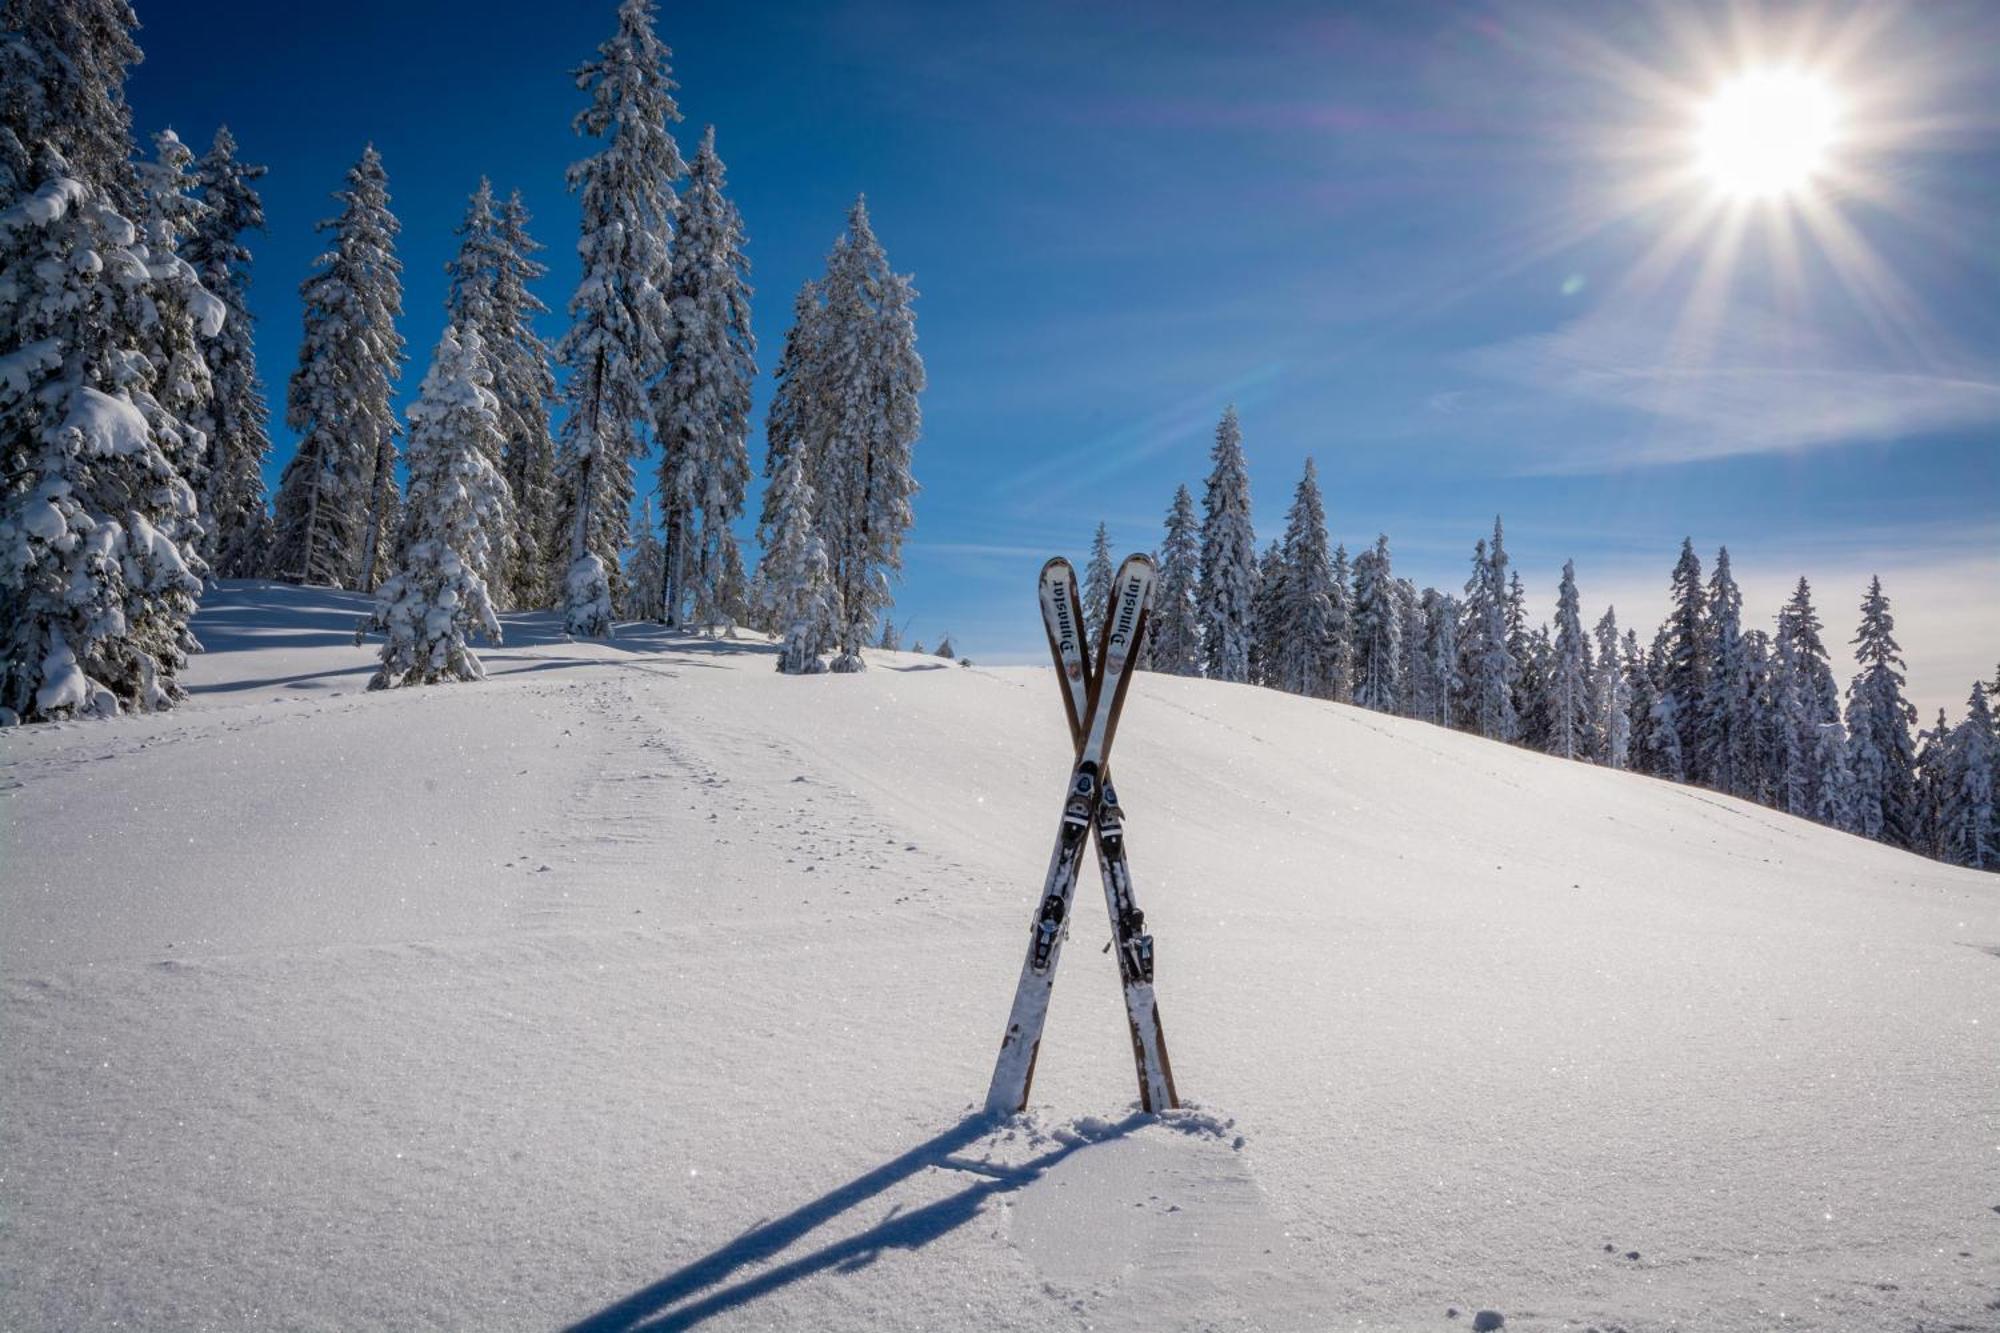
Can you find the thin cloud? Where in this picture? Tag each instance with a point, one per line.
(1749, 385)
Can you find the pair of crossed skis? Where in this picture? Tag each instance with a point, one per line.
(1093, 694)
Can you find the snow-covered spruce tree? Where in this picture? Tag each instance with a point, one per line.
(1097, 577)
(470, 308)
(1228, 558)
(1968, 822)
(794, 580)
(1817, 695)
(794, 398)
(523, 384)
(1538, 660)
(1610, 697)
(616, 345)
(336, 498)
(170, 337)
(1341, 653)
(1442, 685)
(436, 600)
(1569, 682)
(1489, 668)
(1723, 724)
(1764, 729)
(98, 574)
(1176, 623)
(1880, 754)
(1836, 800)
(862, 426)
(1267, 616)
(946, 648)
(701, 407)
(1687, 661)
(1933, 749)
(644, 593)
(1378, 648)
(1788, 758)
(1305, 649)
(1655, 722)
(236, 418)
(1640, 693)
(892, 637)
(1411, 633)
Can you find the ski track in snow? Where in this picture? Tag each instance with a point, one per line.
(641, 988)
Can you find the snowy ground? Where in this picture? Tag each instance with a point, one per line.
(640, 987)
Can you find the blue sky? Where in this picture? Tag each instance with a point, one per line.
(1443, 249)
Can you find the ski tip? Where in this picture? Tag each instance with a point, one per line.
(1055, 563)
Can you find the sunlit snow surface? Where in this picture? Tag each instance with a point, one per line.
(640, 987)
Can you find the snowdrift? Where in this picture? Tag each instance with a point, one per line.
(641, 987)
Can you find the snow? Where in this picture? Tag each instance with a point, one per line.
(643, 986)
(110, 426)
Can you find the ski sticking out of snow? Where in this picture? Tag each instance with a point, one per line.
(1062, 615)
(1125, 623)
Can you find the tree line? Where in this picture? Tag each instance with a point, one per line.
(136, 424)
(1751, 712)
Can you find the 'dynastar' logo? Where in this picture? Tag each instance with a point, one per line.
(1119, 644)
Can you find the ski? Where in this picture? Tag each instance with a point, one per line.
(1125, 622)
(1062, 614)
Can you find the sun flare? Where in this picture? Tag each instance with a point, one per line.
(1767, 134)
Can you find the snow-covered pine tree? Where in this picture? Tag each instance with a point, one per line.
(794, 579)
(434, 603)
(1305, 645)
(1538, 664)
(336, 504)
(1817, 698)
(1788, 758)
(98, 574)
(1378, 648)
(1340, 654)
(1097, 577)
(523, 385)
(1933, 750)
(794, 399)
(1835, 798)
(1442, 685)
(178, 374)
(1410, 634)
(861, 426)
(1880, 757)
(1723, 725)
(1642, 691)
(1611, 697)
(1267, 616)
(1489, 668)
(1685, 684)
(236, 418)
(1176, 623)
(1763, 724)
(620, 321)
(946, 648)
(1569, 705)
(892, 637)
(1969, 825)
(470, 308)
(1228, 558)
(1662, 729)
(701, 407)
(644, 593)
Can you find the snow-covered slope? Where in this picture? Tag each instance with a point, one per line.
(642, 987)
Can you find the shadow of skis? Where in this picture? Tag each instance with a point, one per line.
(668, 1303)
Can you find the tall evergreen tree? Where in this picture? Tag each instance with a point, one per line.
(1612, 696)
(336, 510)
(794, 581)
(1969, 825)
(471, 308)
(523, 386)
(1933, 781)
(1489, 667)
(1881, 756)
(645, 595)
(1411, 631)
(794, 401)
(1097, 577)
(1267, 616)
(169, 338)
(436, 601)
(1569, 683)
(1340, 656)
(1723, 724)
(1814, 704)
(98, 571)
(1176, 626)
(862, 427)
(1685, 682)
(236, 418)
(1443, 686)
(1378, 648)
(617, 343)
(1304, 653)
(701, 408)
(1228, 558)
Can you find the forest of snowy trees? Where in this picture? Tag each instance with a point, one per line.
(1752, 712)
(136, 424)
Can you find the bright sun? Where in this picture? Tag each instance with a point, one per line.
(1766, 134)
